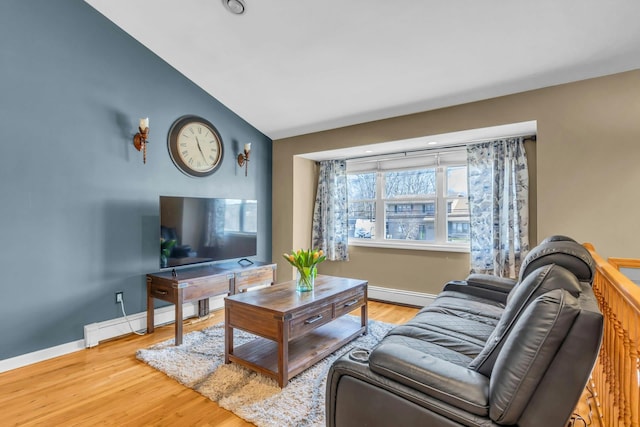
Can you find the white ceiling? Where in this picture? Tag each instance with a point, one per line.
(291, 67)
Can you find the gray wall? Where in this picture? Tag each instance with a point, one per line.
(78, 209)
(632, 273)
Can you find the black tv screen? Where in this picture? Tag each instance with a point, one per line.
(197, 230)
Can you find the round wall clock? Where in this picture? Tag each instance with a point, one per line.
(195, 146)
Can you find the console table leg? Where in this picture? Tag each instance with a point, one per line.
(203, 307)
(178, 340)
(228, 337)
(364, 317)
(150, 310)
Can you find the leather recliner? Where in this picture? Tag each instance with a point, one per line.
(484, 353)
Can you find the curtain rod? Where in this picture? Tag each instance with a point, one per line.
(431, 151)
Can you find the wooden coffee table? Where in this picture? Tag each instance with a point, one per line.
(294, 329)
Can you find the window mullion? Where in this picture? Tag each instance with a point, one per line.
(380, 214)
(441, 207)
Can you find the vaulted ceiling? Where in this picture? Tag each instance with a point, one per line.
(291, 67)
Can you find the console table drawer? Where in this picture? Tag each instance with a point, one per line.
(310, 320)
(206, 287)
(263, 276)
(162, 291)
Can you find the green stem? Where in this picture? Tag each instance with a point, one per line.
(306, 278)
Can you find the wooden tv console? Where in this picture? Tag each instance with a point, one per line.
(201, 283)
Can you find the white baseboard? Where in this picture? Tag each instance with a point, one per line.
(96, 332)
(399, 296)
(40, 355)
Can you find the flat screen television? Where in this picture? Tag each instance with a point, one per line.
(196, 230)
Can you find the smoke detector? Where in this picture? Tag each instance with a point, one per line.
(237, 7)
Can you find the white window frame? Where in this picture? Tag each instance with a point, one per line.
(432, 161)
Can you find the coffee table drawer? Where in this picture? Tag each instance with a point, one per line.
(310, 320)
(349, 303)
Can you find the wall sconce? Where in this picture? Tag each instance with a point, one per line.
(243, 158)
(140, 138)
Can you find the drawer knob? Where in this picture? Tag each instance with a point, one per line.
(156, 291)
(350, 303)
(313, 319)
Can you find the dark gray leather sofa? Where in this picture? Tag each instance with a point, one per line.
(486, 352)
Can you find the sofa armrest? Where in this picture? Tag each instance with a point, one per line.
(487, 281)
(480, 292)
(450, 383)
(483, 286)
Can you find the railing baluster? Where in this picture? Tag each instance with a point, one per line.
(616, 375)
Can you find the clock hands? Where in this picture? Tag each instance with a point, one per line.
(200, 150)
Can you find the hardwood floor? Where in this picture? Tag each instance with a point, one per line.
(106, 385)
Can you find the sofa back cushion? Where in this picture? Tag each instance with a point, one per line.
(558, 238)
(528, 351)
(562, 251)
(540, 281)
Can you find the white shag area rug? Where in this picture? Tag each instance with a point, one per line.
(199, 364)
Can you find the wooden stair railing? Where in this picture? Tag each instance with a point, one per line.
(616, 376)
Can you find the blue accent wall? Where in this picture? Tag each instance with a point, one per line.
(78, 208)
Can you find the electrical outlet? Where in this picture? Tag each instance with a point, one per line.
(119, 296)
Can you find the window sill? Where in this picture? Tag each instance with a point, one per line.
(398, 244)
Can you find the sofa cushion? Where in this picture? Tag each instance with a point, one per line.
(454, 321)
(442, 333)
(529, 349)
(466, 306)
(540, 281)
(428, 373)
(428, 347)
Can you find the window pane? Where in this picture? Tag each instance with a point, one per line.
(361, 186)
(410, 221)
(457, 181)
(420, 182)
(362, 220)
(458, 231)
(458, 220)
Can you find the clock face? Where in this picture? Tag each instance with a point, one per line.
(195, 146)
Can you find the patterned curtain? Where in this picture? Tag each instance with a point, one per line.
(498, 206)
(330, 220)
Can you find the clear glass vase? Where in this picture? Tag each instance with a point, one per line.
(305, 279)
